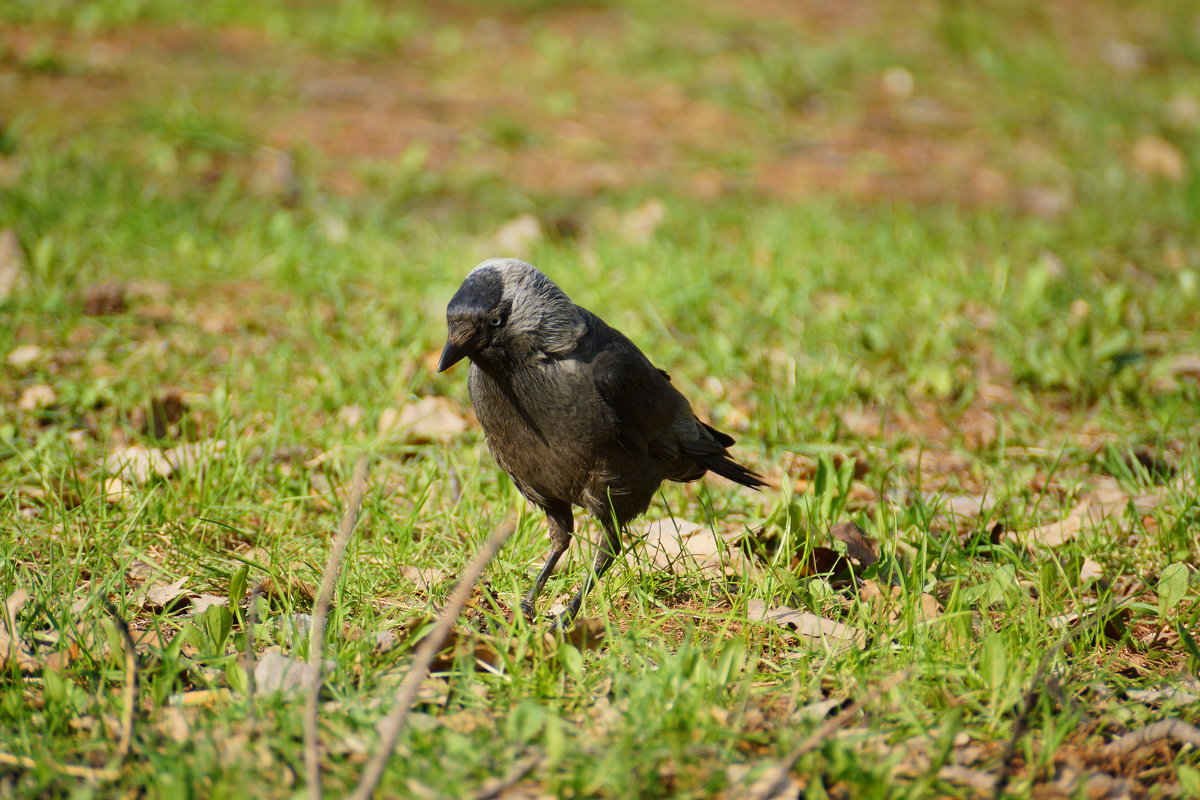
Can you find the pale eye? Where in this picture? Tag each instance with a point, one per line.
(496, 321)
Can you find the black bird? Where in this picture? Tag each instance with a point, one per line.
(572, 409)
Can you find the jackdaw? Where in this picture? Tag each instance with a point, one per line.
(572, 410)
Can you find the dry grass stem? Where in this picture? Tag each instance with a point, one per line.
(316, 646)
(426, 652)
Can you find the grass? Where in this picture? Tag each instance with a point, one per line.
(975, 298)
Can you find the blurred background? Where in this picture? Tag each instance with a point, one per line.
(810, 210)
(934, 263)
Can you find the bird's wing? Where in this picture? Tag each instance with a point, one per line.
(653, 418)
(641, 398)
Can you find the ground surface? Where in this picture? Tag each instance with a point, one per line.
(936, 265)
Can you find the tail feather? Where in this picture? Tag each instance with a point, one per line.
(726, 467)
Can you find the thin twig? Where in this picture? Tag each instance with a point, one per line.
(1166, 729)
(248, 664)
(495, 787)
(427, 650)
(72, 770)
(316, 644)
(775, 782)
(1031, 694)
(130, 694)
(16, 599)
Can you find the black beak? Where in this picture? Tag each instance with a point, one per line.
(451, 355)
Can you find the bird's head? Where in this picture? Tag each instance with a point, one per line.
(506, 311)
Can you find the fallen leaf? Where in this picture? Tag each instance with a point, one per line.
(273, 174)
(163, 596)
(164, 409)
(293, 590)
(37, 396)
(351, 416)
(423, 577)
(189, 456)
(1185, 364)
(276, 673)
(1114, 624)
(15, 650)
(137, 464)
(858, 546)
(173, 724)
(150, 640)
(1104, 503)
(294, 628)
(822, 562)
(679, 546)
(203, 601)
(13, 604)
(115, 491)
(12, 264)
(24, 355)
(809, 628)
(588, 633)
(104, 299)
(639, 225)
(1090, 571)
(1184, 110)
(1156, 157)
(885, 605)
(432, 418)
(518, 236)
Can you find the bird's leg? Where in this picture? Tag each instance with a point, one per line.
(606, 553)
(561, 526)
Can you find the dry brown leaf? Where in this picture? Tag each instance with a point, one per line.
(432, 418)
(423, 577)
(822, 562)
(351, 416)
(885, 605)
(1090, 570)
(164, 409)
(518, 236)
(137, 464)
(293, 590)
(587, 633)
(189, 456)
(639, 225)
(1107, 502)
(13, 605)
(809, 628)
(173, 724)
(1156, 157)
(105, 299)
(273, 174)
(1114, 624)
(15, 650)
(24, 355)
(202, 602)
(149, 640)
(858, 546)
(276, 673)
(12, 264)
(161, 596)
(1185, 364)
(680, 547)
(115, 491)
(37, 396)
